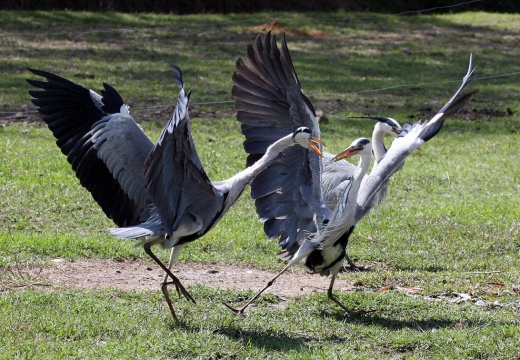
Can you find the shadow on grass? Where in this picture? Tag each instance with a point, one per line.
(423, 324)
(398, 324)
(264, 340)
(283, 341)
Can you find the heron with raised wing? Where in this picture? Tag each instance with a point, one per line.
(289, 193)
(337, 174)
(159, 194)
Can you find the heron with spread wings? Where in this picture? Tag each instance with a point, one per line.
(157, 193)
(289, 194)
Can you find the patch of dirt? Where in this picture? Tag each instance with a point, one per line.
(277, 28)
(28, 116)
(486, 114)
(137, 275)
(25, 114)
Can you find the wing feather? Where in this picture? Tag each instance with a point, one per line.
(270, 104)
(71, 111)
(177, 182)
(411, 138)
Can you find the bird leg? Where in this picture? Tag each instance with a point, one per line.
(352, 266)
(351, 263)
(302, 252)
(175, 280)
(241, 310)
(331, 296)
(173, 256)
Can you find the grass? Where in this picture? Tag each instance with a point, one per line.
(94, 324)
(451, 224)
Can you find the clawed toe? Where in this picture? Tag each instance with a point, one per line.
(180, 290)
(236, 311)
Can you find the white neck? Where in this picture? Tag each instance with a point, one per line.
(378, 145)
(360, 172)
(238, 183)
(344, 214)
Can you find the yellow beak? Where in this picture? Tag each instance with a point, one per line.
(348, 152)
(316, 148)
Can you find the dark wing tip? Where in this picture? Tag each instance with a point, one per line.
(112, 101)
(178, 75)
(434, 127)
(459, 103)
(38, 72)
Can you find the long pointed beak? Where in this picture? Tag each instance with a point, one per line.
(397, 131)
(378, 118)
(316, 149)
(348, 152)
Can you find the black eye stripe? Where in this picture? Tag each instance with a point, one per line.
(364, 141)
(303, 130)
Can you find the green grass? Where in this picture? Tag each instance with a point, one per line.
(130, 324)
(451, 223)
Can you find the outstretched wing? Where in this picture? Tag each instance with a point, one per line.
(270, 104)
(411, 138)
(177, 183)
(102, 142)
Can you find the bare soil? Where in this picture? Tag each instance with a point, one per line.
(140, 276)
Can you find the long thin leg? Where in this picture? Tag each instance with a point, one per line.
(175, 280)
(241, 310)
(302, 252)
(173, 256)
(333, 298)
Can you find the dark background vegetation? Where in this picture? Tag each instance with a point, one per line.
(235, 6)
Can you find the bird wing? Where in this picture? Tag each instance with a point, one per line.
(176, 180)
(270, 104)
(411, 138)
(102, 142)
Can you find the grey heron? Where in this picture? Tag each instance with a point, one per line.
(336, 174)
(158, 193)
(289, 194)
(323, 251)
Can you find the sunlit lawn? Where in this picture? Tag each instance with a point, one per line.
(444, 249)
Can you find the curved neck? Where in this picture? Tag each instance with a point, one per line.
(240, 181)
(359, 174)
(348, 200)
(378, 145)
(343, 217)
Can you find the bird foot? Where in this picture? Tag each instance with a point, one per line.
(180, 290)
(236, 311)
(354, 268)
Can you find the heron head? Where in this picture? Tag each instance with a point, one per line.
(303, 137)
(385, 125)
(358, 147)
(388, 126)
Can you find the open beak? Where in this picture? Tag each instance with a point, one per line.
(348, 152)
(316, 149)
(396, 131)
